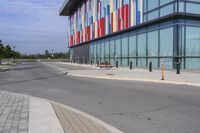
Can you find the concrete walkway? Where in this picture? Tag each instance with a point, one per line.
(185, 78)
(25, 114)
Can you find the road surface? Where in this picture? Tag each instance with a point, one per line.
(133, 107)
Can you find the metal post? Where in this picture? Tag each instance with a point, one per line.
(91, 62)
(117, 64)
(163, 71)
(98, 63)
(14, 53)
(131, 65)
(150, 66)
(178, 67)
(0, 53)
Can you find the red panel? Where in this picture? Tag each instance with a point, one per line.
(71, 42)
(127, 16)
(123, 17)
(88, 33)
(85, 34)
(99, 32)
(102, 26)
(78, 37)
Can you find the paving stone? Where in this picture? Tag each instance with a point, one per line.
(75, 123)
(13, 113)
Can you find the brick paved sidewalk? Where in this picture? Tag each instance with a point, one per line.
(14, 113)
(24, 114)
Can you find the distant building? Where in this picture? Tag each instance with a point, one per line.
(137, 31)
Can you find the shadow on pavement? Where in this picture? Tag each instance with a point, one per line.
(34, 79)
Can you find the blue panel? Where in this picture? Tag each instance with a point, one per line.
(108, 10)
(137, 10)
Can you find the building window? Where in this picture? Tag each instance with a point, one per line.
(132, 46)
(193, 8)
(142, 45)
(91, 51)
(107, 50)
(142, 50)
(152, 4)
(125, 51)
(166, 42)
(153, 43)
(118, 50)
(153, 15)
(162, 2)
(98, 51)
(102, 51)
(192, 47)
(166, 10)
(166, 47)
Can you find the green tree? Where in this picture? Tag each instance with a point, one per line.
(1, 51)
(47, 54)
(8, 53)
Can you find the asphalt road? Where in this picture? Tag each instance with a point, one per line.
(133, 107)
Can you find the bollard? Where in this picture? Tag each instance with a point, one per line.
(131, 65)
(117, 65)
(98, 63)
(91, 63)
(163, 71)
(150, 66)
(178, 67)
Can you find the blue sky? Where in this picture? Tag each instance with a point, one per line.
(33, 25)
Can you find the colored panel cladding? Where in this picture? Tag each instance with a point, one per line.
(112, 21)
(119, 20)
(102, 27)
(97, 18)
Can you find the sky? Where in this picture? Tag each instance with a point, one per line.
(33, 25)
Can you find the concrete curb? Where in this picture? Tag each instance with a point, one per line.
(136, 79)
(3, 70)
(92, 118)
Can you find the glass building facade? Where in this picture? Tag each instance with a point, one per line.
(169, 32)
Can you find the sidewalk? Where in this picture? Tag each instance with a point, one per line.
(4, 68)
(24, 114)
(185, 78)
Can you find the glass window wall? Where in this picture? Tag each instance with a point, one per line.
(166, 42)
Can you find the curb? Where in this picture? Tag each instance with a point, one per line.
(136, 79)
(3, 70)
(92, 118)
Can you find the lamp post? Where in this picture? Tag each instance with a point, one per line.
(14, 53)
(52, 54)
(0, 52)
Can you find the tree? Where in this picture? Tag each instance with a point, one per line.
(7, 52)
(47, 54)
(1, 51)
